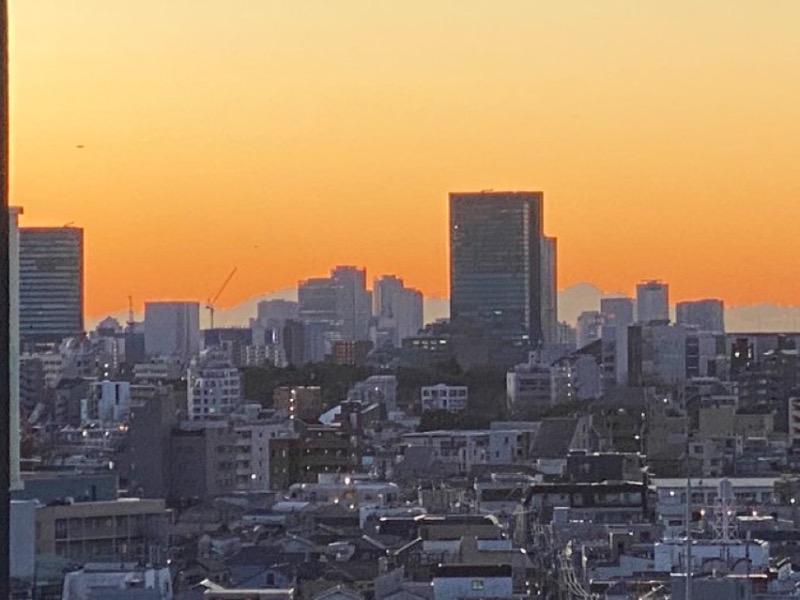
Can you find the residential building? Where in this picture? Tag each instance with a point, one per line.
(452, 398)
(202, 460)
(121, 581)
(253, 464)
(172, 329)
(652, 301)
(460, 581)
(531, 384)
(50, 284)
(213, 386)
(126, 529)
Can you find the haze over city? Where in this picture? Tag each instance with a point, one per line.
(187, 138)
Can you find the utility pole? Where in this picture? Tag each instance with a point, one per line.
(5, 313)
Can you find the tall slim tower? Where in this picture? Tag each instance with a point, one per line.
(496, 261)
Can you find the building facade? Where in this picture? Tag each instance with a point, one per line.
(496, 261)
(172, 329)
(705, 315)
(652, 301)
(50, 283)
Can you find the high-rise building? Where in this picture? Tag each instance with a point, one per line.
(172, 329)
(50, 283)
(590, 327)
(705, 315)
(213, 386)
(397, 309)
(341, 303)
(652, 301)
(617, 312)
(549, 290)
(496, 262)
(356, 308)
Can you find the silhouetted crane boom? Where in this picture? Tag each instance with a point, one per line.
(211, 303)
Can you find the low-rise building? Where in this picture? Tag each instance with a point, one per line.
(452, 398)
(129, 529)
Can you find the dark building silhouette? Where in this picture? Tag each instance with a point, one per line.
(496, 262)
(50, 283)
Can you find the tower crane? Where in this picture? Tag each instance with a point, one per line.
(211, 303)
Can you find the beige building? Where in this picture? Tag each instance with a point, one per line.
(129, 529)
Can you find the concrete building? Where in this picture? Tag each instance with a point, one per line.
(656, 353)
(121, 581)
(50, 283)
(704, 315)
(549, 290)
(23, 534)
(381, 389)
(590, 327)
(213, 385)
(617, 312)
(202, 460)
(172, 329)
(253, 464)
(340, 303)
(496, 262)
(299, 402)
(397, 310)
(14, 323)
(652, 301)
(530, 385)
(126, 529)
(109, 403)
(452, 398)
(460, 581)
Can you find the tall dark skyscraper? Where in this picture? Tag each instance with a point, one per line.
(496, 262)
(51, 283)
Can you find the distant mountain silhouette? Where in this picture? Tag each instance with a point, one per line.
(572, 301)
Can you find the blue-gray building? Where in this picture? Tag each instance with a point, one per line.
(496, 263)
(50, 283)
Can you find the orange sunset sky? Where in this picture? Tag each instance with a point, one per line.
(285, 136)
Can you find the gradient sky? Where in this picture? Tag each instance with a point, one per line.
(283, 137)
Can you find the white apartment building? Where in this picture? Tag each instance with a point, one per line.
(214, 386)
(253, 454)
(452, 398)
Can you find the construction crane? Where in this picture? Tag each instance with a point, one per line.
(211, 303)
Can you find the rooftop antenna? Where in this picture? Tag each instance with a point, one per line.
(131, 321)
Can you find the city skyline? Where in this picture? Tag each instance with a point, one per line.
(271, 148)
